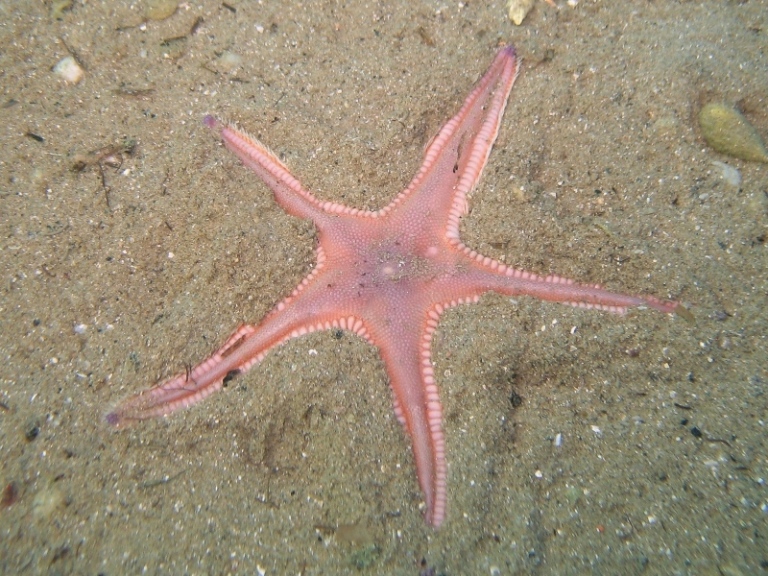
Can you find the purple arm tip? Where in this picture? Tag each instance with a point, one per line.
(210, 121)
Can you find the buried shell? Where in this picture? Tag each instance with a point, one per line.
(727, 131)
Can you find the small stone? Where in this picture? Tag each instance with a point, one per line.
(58, 7)
(229, 61)
(518, 10)
(31, 429)
(727, 131)
(47, 501)
(160, 9)
(730, 174)
(68, 69)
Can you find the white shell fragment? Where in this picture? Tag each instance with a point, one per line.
(69, 70)
(518, 10)
(728, 173)
(229, 61)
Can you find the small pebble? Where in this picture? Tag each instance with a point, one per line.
(730, 174)
(160, 9)
(31, 429)
(58, 7)
(727, 131)
(10, 495)
(229, 61)
(518, 10)
(47, 501)
(68, 69)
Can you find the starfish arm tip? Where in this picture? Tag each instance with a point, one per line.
(118, 420)
(210, 121)
(510, 50)
(113, 419)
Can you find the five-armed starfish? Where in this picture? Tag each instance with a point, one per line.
(387, 276)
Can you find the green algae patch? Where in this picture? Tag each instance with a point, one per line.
(727, 131)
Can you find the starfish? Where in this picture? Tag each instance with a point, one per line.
(387, 276)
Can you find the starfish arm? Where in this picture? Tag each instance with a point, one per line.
(418, 408)
(186, 388)
(288, 191)
(484, 274)
(455, 158)
(300, 313)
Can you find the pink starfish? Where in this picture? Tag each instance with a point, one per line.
(387, 276)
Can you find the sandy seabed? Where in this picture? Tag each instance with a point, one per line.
(578, 442)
